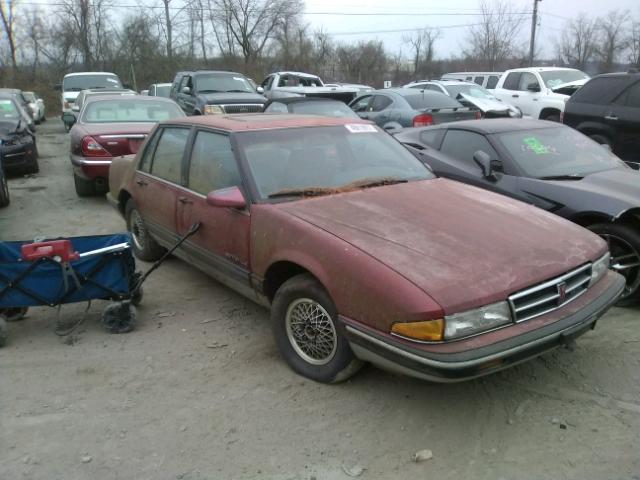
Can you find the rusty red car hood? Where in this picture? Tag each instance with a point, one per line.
(465, 247)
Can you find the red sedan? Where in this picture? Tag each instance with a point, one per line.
(361, 253)
(108, 127)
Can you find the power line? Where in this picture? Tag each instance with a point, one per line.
(403, 30)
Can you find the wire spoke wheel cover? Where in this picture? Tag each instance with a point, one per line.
(625, 260)
(138, 230)
(311, 331)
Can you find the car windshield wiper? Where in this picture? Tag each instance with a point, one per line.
(73, 89)
(374, 182)
(209, 91)
(562, 177)
(302, 192)
(240, 91)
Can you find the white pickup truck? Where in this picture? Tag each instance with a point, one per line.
(539, 92)
(294, 84)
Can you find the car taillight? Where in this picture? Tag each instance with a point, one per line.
(91, 148)
(478, 115)
(423, 120)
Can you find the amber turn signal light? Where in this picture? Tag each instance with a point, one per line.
(428, 330)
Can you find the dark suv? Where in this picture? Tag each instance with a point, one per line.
(208, 92)
(607, 109)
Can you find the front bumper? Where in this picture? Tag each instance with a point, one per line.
(391, 353)
(15, 156)
(90, 169)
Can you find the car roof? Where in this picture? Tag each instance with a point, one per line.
(542, 69)
(88, 91)
(619, 74)
(141, 98)
(445, 82)
(403, 92)
(298, 74)
(473, 73)
(264, 121)
(289, 100)
(489, 126)
(89, 73)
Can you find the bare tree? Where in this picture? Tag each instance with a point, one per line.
(578, 42)
(613, 39)
(33, 37)
(493, 40)
(422, 47)
(7, 11)
(633, 44)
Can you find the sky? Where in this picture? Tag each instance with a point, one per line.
(446, 16)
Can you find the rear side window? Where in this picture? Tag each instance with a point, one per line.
(380, 102)
(431, 100)
(213, 165)
(479, 80)
(631, 97)
(145, 161)
(167, 161)
(492, 82)
(512, 81)
(461, 145)
(599, 90)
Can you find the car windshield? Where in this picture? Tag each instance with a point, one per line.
(8, 110)
(420, 101)
(31, 98)
(475, 91)
(554, 78)
(290, 162)
(557, 151)
(222, 82)
(328, 109)
(129, 110)
(163, 90)
(83, 82)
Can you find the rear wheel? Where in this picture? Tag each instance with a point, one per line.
(624, 245)
(5, 199)
(552, 117)
(144, 246)
(84, 187)
(308, 334)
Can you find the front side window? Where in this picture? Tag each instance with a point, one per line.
(362, 104)
(526, 80)
(380, 102)
(462, 145)
(512, 81)
(213, 164)
(631, 98)
(492, 82)
(318, 158)
(167, 160)
(479, 80)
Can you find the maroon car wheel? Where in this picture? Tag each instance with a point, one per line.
(307, 332)
(144, 246)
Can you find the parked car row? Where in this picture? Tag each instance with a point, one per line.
(18, 148)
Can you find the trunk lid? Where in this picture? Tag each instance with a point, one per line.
(119, 139)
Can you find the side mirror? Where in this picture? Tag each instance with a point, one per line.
(75, 108)
(260, 90)
(533, 87)
(484, 162)
(606, 146)
(186, 90)
(58, 86)
(69, 118)
(229, 198)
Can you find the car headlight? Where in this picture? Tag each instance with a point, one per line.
(599, 268)
(213, 110)
(477, 320)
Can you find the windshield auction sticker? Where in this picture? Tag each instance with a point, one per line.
(535, 145)
(360, 128)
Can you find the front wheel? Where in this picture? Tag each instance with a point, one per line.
(308, 334)
(624, 245)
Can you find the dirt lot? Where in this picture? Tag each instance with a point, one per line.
(198, 391)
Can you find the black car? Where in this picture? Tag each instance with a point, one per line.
(4, 189)
(209, 92)
(310, 106)
(607, 109)
(17, 141)
(548, 165)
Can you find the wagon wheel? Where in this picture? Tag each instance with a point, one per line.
(3, 330)
(119, 317)
(14, 314)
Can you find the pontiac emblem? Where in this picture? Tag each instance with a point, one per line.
(562, 292)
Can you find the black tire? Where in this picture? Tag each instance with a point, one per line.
(33, 166)
(552, 117)
(295, 297)
(119, 317)
(5, 198)
(143, 245)
(136, 298)
(84, 187)
(3, 331)
(14, 314)
(43, 119)
(624, 245)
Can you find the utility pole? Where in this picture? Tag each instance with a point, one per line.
(534, 22)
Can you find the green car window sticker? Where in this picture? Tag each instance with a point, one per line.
(535, 145)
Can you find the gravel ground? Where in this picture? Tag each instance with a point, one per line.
(198, 391)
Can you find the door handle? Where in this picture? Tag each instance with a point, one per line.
(515, 96)
(184, 200)
(610, 117)
(142, 183)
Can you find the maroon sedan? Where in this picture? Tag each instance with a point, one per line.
(108, 127)
(361, 253)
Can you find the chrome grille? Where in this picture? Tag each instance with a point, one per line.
(550, 295)
(243, 108)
